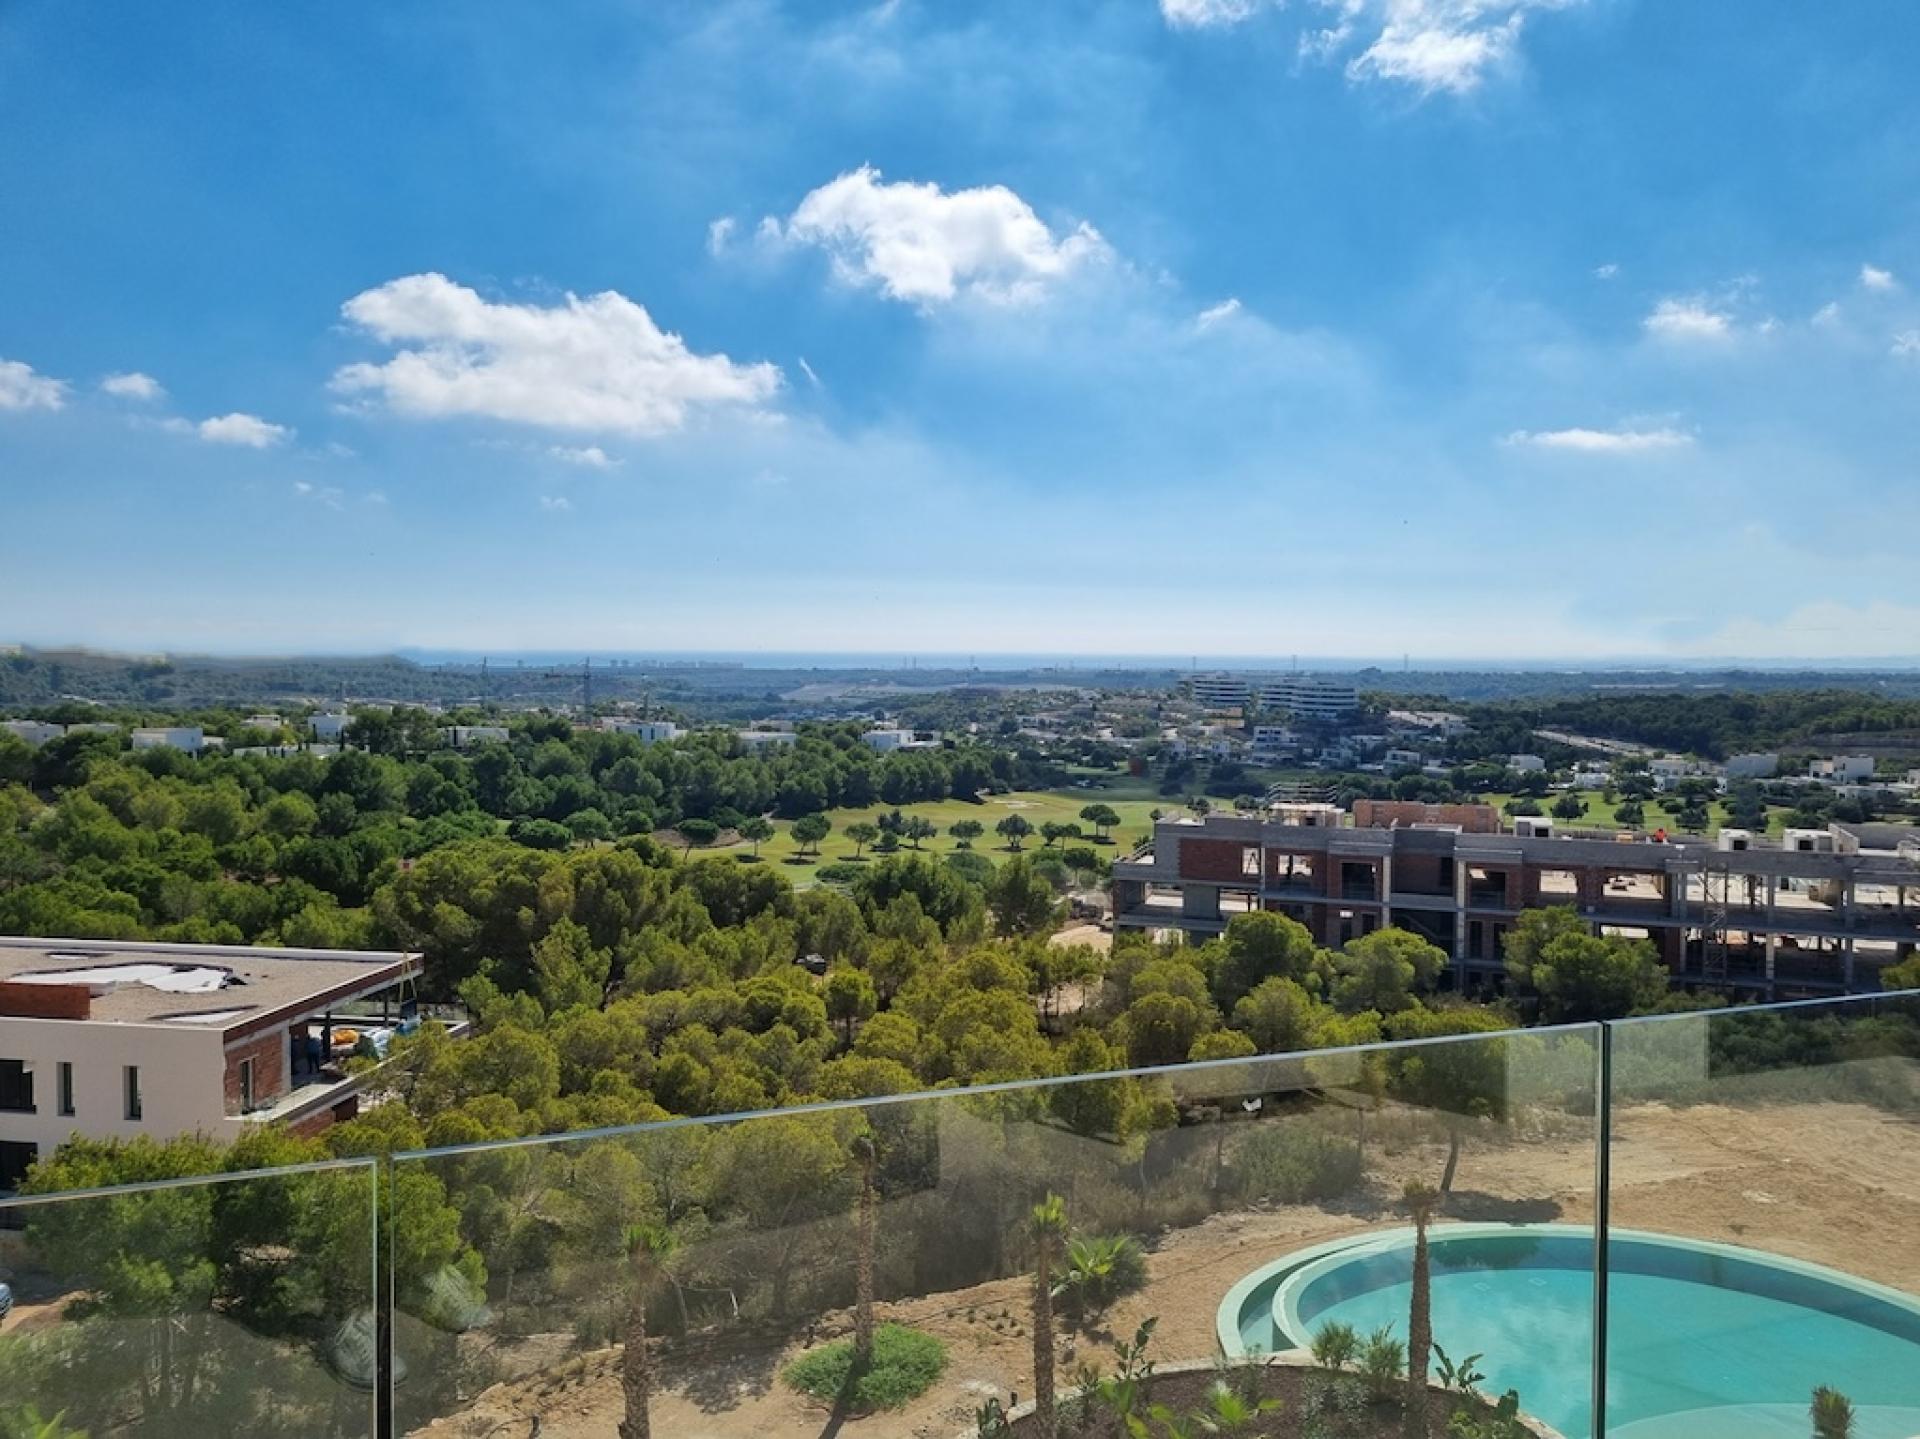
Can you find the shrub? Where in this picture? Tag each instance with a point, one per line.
(905, 1365)
(841, 872)
(1289, 1163)
(1383, 1360)
(1098, 1270)
(1335, 1345)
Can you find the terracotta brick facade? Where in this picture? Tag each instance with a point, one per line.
(1387, 813)
(1216, 860)
(269, 1055)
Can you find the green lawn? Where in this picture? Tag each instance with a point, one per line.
(1599, 813)
(1037, 807)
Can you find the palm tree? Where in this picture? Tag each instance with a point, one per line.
(649, 1247)
(1832, 1414)
(864, 1155)
(1049, 1225)
(1420, 1200)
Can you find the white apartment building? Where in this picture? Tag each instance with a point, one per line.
(34, 732)
(465, 736)
(1843, 768)
(113, 1039)
(1525, 763)
(884, 740)
(1309, 699)
(1218, 691)
(330, 726)
(190, 738)
(759, 739)
(646, 731)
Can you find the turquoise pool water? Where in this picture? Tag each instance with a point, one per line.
(1706, 1341)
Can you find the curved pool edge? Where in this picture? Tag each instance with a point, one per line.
(1227, 1329)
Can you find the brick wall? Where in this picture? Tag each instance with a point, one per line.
(1386, 813)
(267, 1051)
(1217, 860)
(45, 1001)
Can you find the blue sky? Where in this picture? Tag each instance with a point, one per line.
(1505, 328)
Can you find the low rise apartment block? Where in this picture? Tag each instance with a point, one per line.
(1809, 914)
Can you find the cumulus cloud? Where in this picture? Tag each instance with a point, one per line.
(1907, 343)
(1601, 442)
(1606, 271)
(23, 389)
(1215, 314)
(720, 234)
(247, 430)
(593, 363)
(923, 245)
(1690, 319)
(132, 385)
(555, 503)
(1872, 277)
(1202, 14)
(1435, 46)
(590, 457)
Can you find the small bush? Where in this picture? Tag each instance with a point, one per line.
(1335, 1345)
(1289, 1163)
(1099, 1269)
(1383, 1360)
(840, 872)
(905, 1365)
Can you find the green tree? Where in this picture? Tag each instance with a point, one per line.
(1049, 1227)
(756, 830)
(1257, 947)
(648, 1249)
(1382, 971)
(850, 999)
(1102, 817)
(809, 830)
(862, 834)
(1420, 1200)
(1014, 829)
(965, 832)
(864, 1158)
(1022, 902)
(1832, 1414)
(1567, 974)
(918, 828)
(1569, 806)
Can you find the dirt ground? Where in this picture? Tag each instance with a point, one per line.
(1838, 1184)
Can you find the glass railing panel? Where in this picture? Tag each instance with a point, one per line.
(1765, 1206)
(234, 1305)
(715, 1273)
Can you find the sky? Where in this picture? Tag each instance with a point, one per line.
(1511, 329)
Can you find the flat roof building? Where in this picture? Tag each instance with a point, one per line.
(112, 1039)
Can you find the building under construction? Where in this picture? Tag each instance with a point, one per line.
(1812, 912)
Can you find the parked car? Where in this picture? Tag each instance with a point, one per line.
(6, 1301)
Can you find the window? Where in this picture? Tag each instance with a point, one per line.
(64, 1077)
(1250, 861)
(16, 1087)
(133, 1091)
(246, 1086)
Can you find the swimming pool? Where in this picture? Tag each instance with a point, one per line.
(1706, 1341)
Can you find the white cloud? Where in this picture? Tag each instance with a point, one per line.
(1689, 319)
(720, 233)
(590, 457)
(555, 503)
(132, 385)
(598, 363)
(376, 497)
(921, 244)
(22, 389)
(1201, 14)
(1606, 271)
(807, 370)
(238, 429)
(1436, 46)
(1874, 278)
(328, 495)
(1215, 314)
(1827, 314)
(1906, 343)
(1601, 442)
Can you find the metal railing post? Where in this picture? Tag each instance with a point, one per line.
(1602, 1221)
